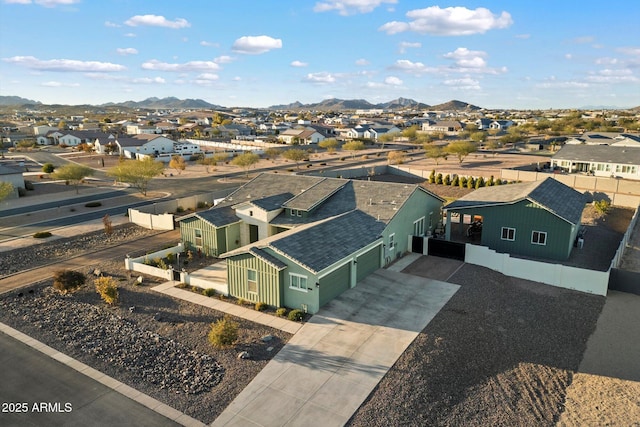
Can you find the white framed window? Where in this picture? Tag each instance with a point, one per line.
(298, 282)
(539, 238)
(508, 233)
(197, 240)
(252, 281)
(418, 227)
(392, 241)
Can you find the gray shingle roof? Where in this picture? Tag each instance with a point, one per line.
(268, 258)
(272, 203)
(327, 242)
(219, 216)
(552, 195)
(599, 153)
(315, 194)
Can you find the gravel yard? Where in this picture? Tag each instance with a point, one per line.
(503, 351)
(151, 342)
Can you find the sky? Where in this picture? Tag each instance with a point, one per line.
(257, 53)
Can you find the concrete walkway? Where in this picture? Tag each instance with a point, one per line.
(325, 372)
(286, 325)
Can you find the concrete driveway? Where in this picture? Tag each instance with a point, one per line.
(331, 365)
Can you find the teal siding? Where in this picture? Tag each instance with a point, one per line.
(294, 298)
(335, 283)
(233, 236)
(209, 235)
(367, 263)
(269, 280)
(525, 217)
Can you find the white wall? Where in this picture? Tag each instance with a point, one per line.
(153, 222)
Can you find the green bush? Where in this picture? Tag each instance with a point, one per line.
(170, 258)
(261, 306)
(201, 205)
(295, 315)
(42, 235)
(209, 292)
(602, 206)
(223, 333)
(67, 280)
(182, 285)
(48, 168)
(92, 204)
(107, 288)
(179, 209)
(281, 312)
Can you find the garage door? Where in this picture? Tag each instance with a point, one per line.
(367, 263)
(334, 283)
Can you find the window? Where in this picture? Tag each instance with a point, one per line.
(198, 237)
(293, 212)
(297, 281)
(538, 238)
(418, 227)
(508, 233)
(625, 169)
(392, 241)
(252, 281)
(296, 212)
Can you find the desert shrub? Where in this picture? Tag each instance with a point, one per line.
(447, 179)
(28, 185)
(179, 209)
(195, 289)
(432, 177)
(295, 315)
(455, 181)
(281, 312)
(42, 235)
(182, 285)
(209, 292)
(107, 288)
(439, 178)
(170, 258)
(240, 301)
(160, 263)
(261, 306)
(201, 205)
(223, 333)
(602, 206)
(92, 204)
(471, 182)
(48, 168)
(67, 280)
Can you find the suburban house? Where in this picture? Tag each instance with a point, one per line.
(299, 241)
(599, 160)
(130, 147)
(500, 125)
(51, 138)
(76, 138)
(538, 219)
(13, 175)
(301, 135)
(447, 127)
(377, 131)
(606, 138)
(138, 129)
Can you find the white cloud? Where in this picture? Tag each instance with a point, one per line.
(127, 51)
(450, 21)
(208, 44)
(299, 64)
(110, 24)
(523, 36)
(568, 56)
(64, 64)
(156, 21)
(154, 64)
(412, 67)
(45, 3)
(583, 40)
(362, 62)
(59, 84)
(393, 81)
(465, 83)
(130, 35)
(606, 61)
(631, 51)
(254, 45)
(208, 76)
(223, 59)
(322, 77)
(466, 58)
(149, 80)
(350, 7)
(613, 76)
(408, 45)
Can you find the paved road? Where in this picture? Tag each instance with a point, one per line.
(58, 203)
(132, 248)
(28, 376)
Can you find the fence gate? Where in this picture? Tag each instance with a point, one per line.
(624, 281)
(446, 249)
(176, 275)
(417, 244)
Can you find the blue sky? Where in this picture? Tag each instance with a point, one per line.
(256, 53)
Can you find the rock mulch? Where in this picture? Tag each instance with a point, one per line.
(154, 343)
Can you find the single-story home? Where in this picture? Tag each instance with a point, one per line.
(299, 241)
(538, 219)
(13, 175)
(606, 138)
(599, 160)
(130, 147)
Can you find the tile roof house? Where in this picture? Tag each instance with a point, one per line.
(299, 241)
(538, 219)
(599, 160)
(131, 147)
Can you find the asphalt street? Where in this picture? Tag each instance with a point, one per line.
(36, 390)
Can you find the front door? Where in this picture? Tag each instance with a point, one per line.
(253, 233)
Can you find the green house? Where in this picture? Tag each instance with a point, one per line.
(538, 219)
(299, 241)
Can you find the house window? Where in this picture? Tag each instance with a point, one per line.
(252, 281)
(298, 282)
(250, 213)
(299, 213)
(293, 212)
(418, 227)
(508, 233)
(197, 237)
(392, 241)
(539, 238)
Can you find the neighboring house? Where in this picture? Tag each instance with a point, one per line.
(138, 129)
(76, 138)
(299, 241)
(606, 138)
(599, 160)
(447, 127)
(51, 138)
(13, 175)
(301, 135)
(130, 147)
(376, 131)
(234, 129)
(483, 123)
(539, 219)
(500, 125)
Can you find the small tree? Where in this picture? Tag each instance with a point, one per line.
(396, 157)
(471, 182)
(108, 225)
(73, 173)
(461, 149)
(387, 137)
(353, 146)
(177, 162)
(435, 152)
(138, 173)
(272, 153)
(329, 144)
(107, 288)
(432, 176)
(295, 155)
(245, 161)
(209, 163)
(602, 207)
(223, 333)
(48, 168)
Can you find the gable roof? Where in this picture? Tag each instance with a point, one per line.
(314, 195)
(216, 217)
(554, 196)
(599, 153)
